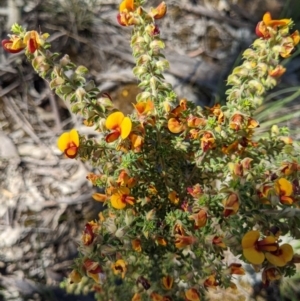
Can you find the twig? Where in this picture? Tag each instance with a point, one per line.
(55, 110)
(14, 85)
(20, 118)
(203, 11)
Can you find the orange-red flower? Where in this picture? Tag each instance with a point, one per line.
(253, 248)
(174, 197)
(281, 256)
(284, 189)
(69, 143)
(14, 45)
(236, 169)
(211, 281)
(119, 267)
(119, 125)
(126, 5)
(125, 16)
(182, 241)
(252, 123)
(236, 269)
(207, 141)
(264, 192)
(192, 295)
(289, 168)
(236, 122)
(217, 112)
(75, 276)
(120, 198)
(136, 297)
(144, 107)
(263, 27)
(177, 124)
(288, 44)
(200, 218)
(178, 229)
(88, 233)
(270, 274)
(32, 40)
(195, 191)
(156, 297)
(159, 12)
(136, 245)
(231, 205)
(167, 282)
(125, 180)
(161, 241)
(137, 142)
(218, 241)
(93, 269)
(277, 71)
(193, 121)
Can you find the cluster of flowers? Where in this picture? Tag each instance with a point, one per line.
(181, 185)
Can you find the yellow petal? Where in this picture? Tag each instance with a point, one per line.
(114, 120)
(116, 202)
(63, 141)
(249, 239)
(74, 137)
(284, 186)
(175, 125)
(100, 197)
(126, 126)
(136, 140)
(17, 44)
(254, 256)
(136, 297)
(287, 252)
(275, 260)
(192, 295)
(267, 18)
(126, 5)
(94, 276)
(282, 256)
(167, 282)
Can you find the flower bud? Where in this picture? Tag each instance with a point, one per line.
(240, 70)
(80, 92)
(157, 44)
(249, 54)
(64, 61)
(56, 82)
(270, 82)
(138, 71)
(259, 44)
(159, 12)
(256, 86)
(162, 65)
(262, 69)
(233, 80)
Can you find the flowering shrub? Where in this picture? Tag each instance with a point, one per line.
(181, 185)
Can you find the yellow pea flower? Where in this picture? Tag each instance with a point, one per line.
(119, 125)
(68, 143)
